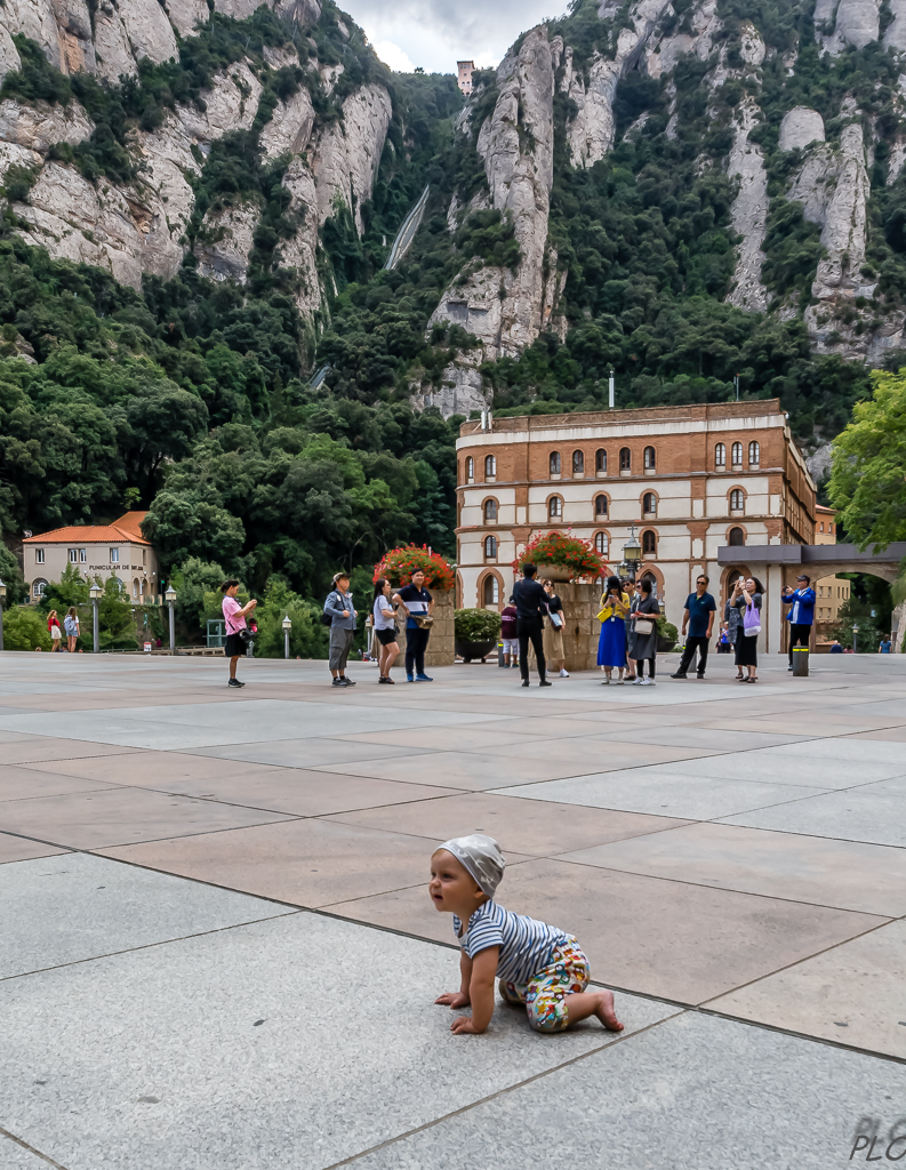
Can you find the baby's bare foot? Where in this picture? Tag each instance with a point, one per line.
(606, 1014)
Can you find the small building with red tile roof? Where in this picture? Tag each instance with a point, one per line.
(98, 552)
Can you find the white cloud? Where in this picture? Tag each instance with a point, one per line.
(435, 34)
(397, 59)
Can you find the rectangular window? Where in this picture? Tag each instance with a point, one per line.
(73, 556)
(114, 556)
(83, 556)
(39, 556)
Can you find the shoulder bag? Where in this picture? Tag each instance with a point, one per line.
(751, 621)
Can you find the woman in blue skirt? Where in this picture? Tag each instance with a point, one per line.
(612, 642)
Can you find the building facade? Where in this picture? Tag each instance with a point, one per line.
(830, 592)
(688, 479)
(464, 71)
(98, 552)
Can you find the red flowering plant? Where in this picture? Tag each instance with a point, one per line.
(399, 564)
(555, 548)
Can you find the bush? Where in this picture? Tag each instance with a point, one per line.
(553, 548)
(25, 629)
(400, 563)
(476, 625)
(667, 635)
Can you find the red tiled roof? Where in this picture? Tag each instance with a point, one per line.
(126, 530)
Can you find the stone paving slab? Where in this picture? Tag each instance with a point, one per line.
(20, 783)
(35, 748)
(816, 995)
(867, 878)
(291, 1043)
(67, 909)
(148, 768)
(116, 816)
(21, 849)
(693, 1093)
(664, 792)
(302, 753)
(668, 939)
(800, 770)
(474, 771)
(854, 815)
(14, 1156)
(524, 826)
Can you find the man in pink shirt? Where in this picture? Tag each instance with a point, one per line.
(234, 617)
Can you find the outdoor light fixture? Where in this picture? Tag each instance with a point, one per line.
(95, 594)
(170, 596)
(287, 626)
(2, 600)
(632, 553)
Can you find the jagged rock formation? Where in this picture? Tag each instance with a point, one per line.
(140, 227)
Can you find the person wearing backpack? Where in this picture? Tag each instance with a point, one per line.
(340, 614)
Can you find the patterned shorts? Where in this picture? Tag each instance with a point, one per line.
(545, 994)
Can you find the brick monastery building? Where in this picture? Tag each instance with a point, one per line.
(691, 479)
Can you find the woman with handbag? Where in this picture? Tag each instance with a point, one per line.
(552, 633)
(644, 634)
(612, 641)
(746, 597)
(238, 633)
(418, 605)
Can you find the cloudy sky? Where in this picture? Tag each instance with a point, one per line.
(435, 34)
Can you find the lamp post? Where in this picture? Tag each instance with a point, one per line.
(632, 553)
(855, 637)
(170, 595)
(287, 626)
(95, 594)
(2, 600)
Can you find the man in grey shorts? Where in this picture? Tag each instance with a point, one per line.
(342, 615)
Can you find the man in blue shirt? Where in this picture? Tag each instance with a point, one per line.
(698, 618)
(802, 612)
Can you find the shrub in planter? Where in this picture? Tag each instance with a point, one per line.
(558, 548)
(476, 632)
(399, 564)
(667, 635)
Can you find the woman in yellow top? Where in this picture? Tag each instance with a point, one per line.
(612, 642)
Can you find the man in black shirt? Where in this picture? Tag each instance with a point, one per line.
(531, 606)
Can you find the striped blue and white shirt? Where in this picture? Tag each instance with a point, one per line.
(526, 945)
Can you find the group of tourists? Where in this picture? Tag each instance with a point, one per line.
(534, 617)
(70, 630)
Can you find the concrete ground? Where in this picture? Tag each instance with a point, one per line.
(217, 951)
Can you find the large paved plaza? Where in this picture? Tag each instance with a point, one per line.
(217, 951)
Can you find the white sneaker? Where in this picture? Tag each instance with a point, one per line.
(647, 682)
(637, 682)
(564, 673)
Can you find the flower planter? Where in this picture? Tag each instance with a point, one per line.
(556, 572)
(468, 651)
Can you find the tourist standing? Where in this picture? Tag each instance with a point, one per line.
(55, 631)
(801, 616)
(635, 596)
(612, 640)
(747, 599)
(509, 635)
(645, 633)
(384, 619)
(234, 616)
(733, 620)
(554, 654)
(342, 613)
(698, 619)
(418, 605)
(886, 646)
(71, 626)
(531, 606)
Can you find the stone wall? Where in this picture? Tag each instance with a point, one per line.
(580, 633)
(440, 645)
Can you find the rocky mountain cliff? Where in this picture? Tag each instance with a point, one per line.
(632, 174)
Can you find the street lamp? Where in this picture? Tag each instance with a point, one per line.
(287, 626)
(170, 595)
(2, 600)
(95, 594)
(855, 637)
(632, 553)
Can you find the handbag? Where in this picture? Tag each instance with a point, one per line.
(556, 620)
(644, 626)
(751, 622)
(424, 621)
(246, 636)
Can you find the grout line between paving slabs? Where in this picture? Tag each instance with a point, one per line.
(31, 1149)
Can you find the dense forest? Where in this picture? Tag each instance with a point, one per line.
(195, 398)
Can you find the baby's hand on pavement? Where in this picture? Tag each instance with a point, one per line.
(453, 999)
(463, 1026)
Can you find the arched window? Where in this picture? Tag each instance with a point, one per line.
(470, 469)
(602, 505)
(578, 463)
(736, 454)
(490, 466)
(490, 511)
(490, 548)
(554, 508)
(754, 454)
(600, 461)
(649, 460)
(554, 463)
(649, 543)
(737, 500)
(602, 543)
(737, 536)
(720, 456)
(120, 587)
(649, 504)
(625, 459)
(136, 589)
(38, 588)
(490, 592)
